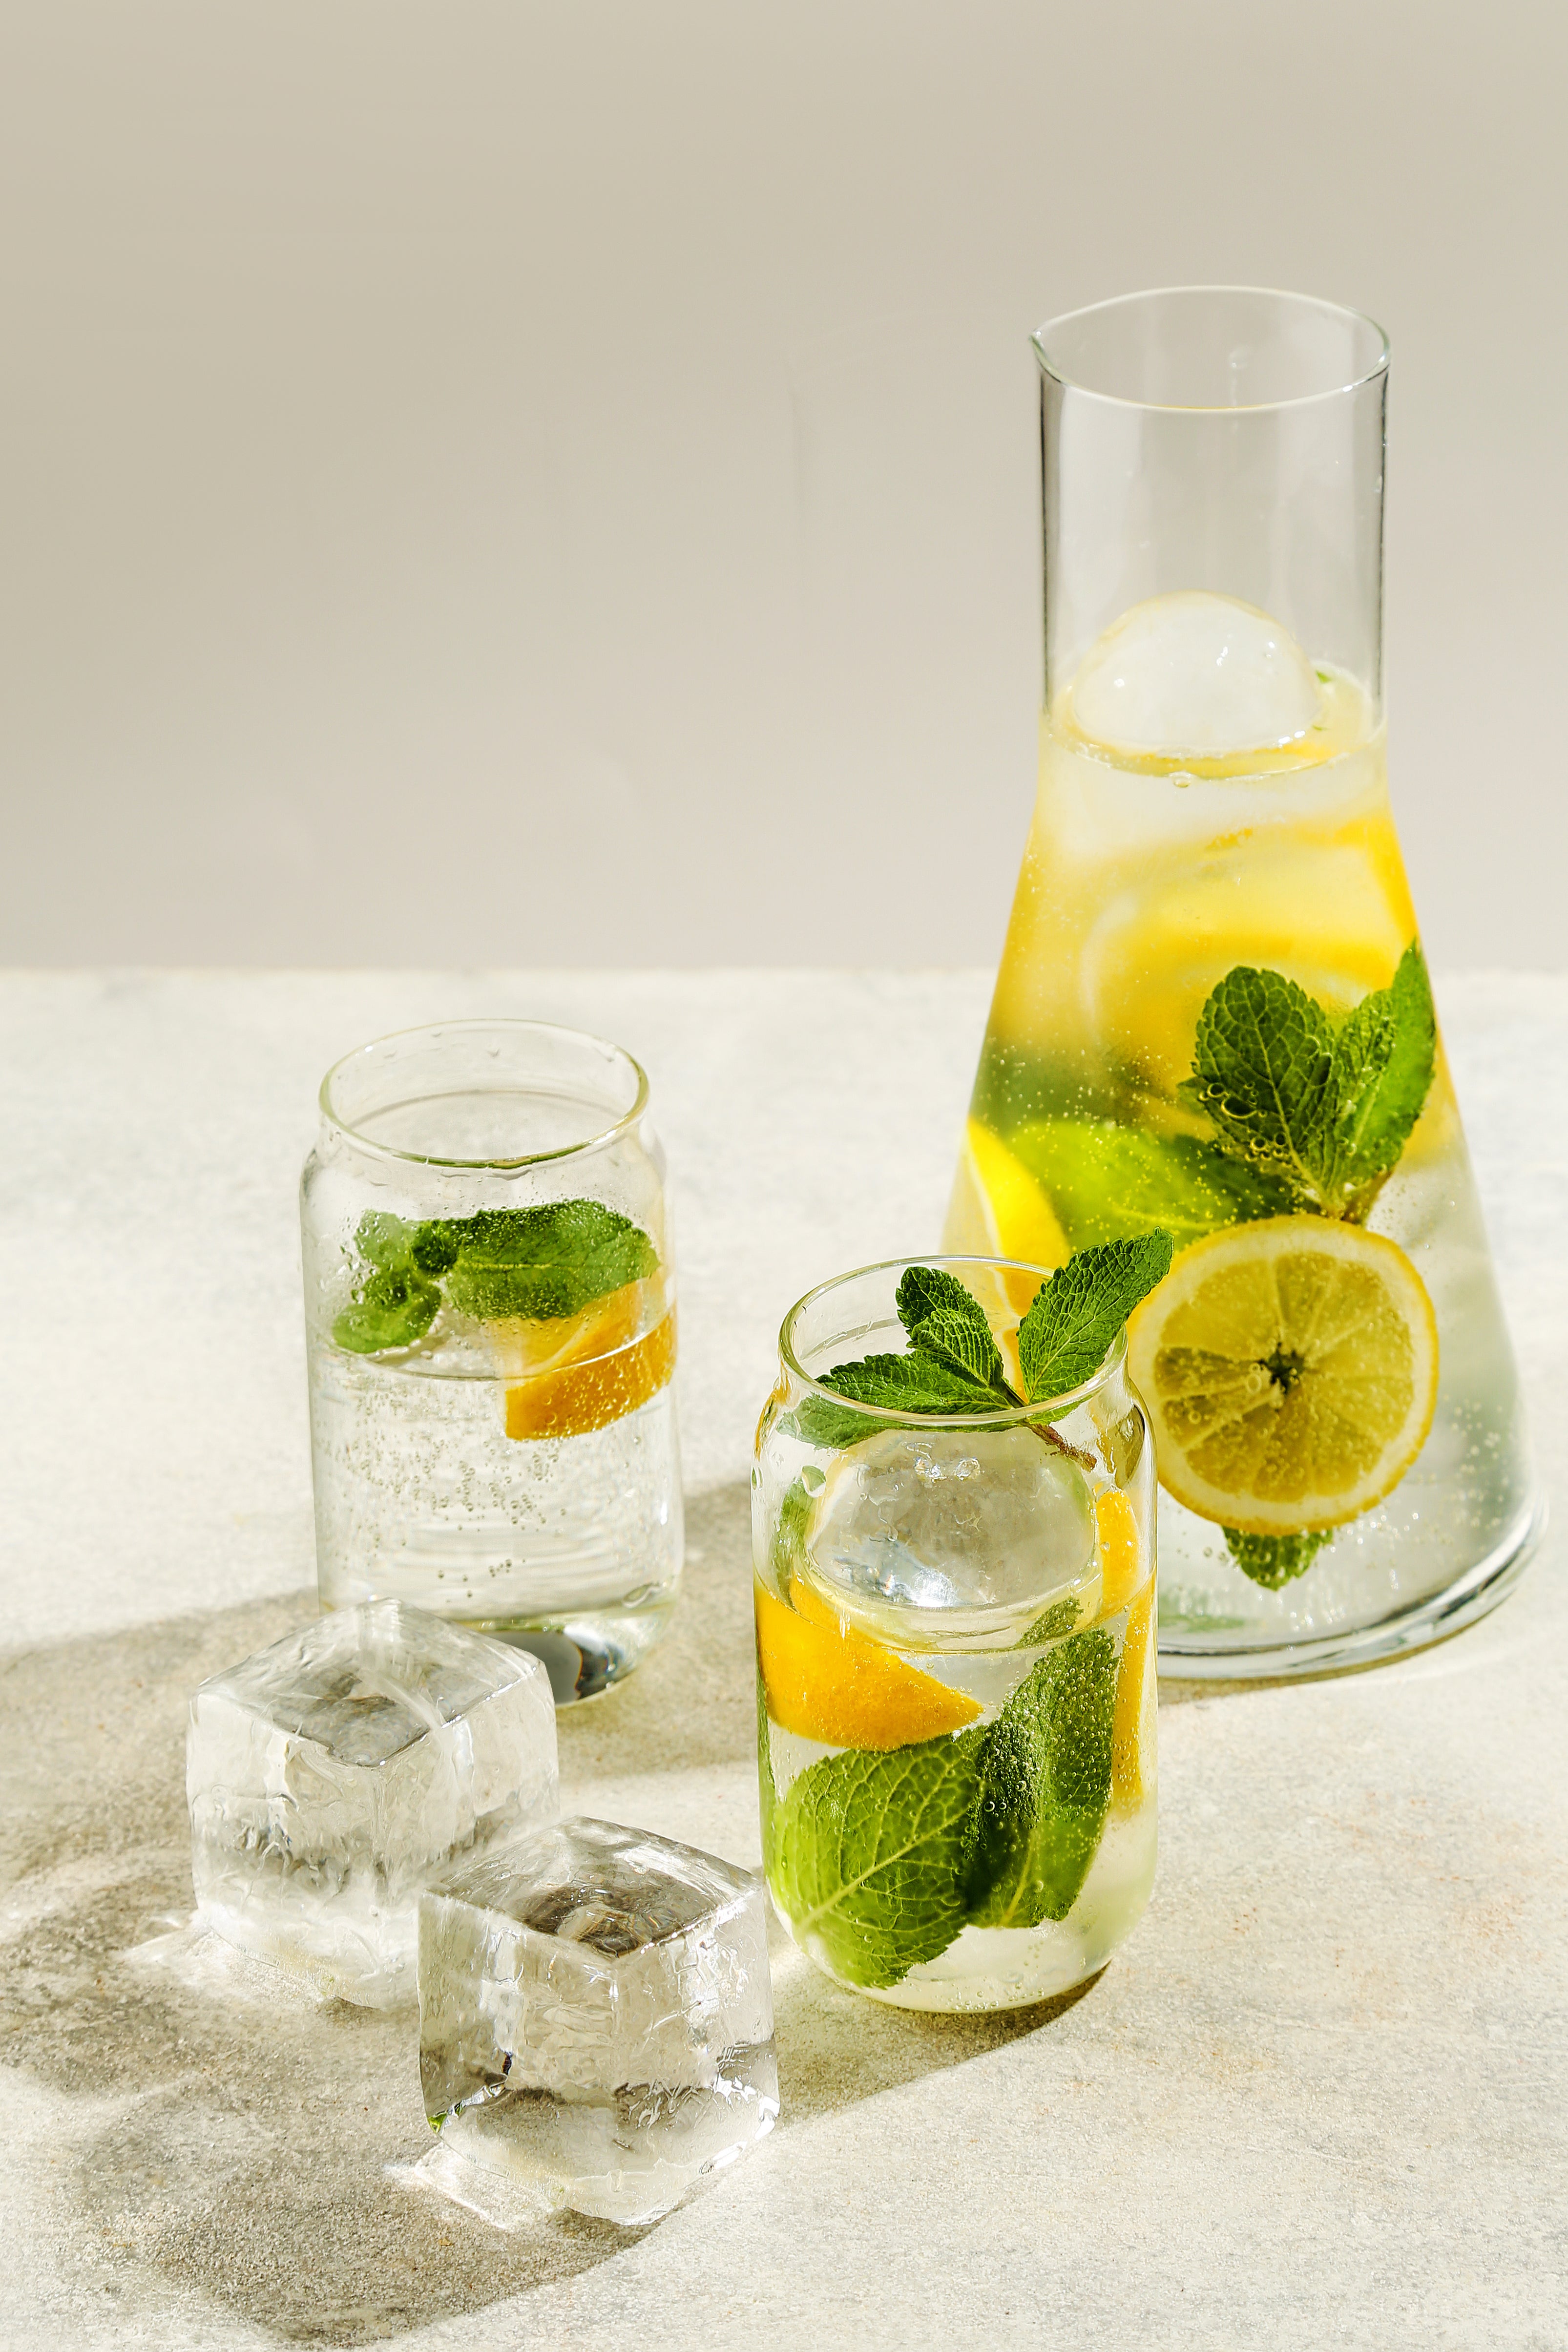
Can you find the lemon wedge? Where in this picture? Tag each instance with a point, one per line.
(583, 1371)
(826, 1680)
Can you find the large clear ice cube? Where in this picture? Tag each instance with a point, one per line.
(962, 1539)
(1194, 676)
(332, 1774)
(596, 2022)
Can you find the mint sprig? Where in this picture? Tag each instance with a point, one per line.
(953, 1364)
(536, 1263)
(1322, 1106)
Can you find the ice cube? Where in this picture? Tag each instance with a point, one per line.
(966, 1537)
(1195, 677)
(331, 1775)
(596, 2022)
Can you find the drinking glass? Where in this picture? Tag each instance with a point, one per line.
(956, 1665)
(490, 1329)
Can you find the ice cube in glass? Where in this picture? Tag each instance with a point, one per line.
(596, 2022)
(332, 1774)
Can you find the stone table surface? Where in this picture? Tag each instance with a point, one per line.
(1320, 2097)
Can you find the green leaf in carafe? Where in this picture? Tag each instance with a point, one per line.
(1106, 1182)
(1274, 1560)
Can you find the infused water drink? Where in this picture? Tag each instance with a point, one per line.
(1213, 1015)
(490, 1310)
(955, 1598)
(1397, 1460)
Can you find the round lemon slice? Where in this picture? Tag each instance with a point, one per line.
(999, 1209)
(1320, 912)
(1290, 1369)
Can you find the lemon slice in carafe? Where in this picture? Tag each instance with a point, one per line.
(1290, 1369)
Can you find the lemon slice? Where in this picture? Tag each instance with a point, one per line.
(999, 1209)
(1127, 1582)
(1320, 912)
(1290, 1369)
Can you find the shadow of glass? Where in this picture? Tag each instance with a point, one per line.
(237, 2152)
(836, 2048)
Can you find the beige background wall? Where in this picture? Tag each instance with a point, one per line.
(556, 481)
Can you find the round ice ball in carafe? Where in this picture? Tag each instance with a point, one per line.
(958, 1535)
(1195, 677)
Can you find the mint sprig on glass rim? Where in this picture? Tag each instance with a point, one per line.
(953, 1365)
(537, 1265)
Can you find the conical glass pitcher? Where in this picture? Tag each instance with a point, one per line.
(1212, 1013)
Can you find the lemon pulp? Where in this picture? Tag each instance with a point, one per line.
(1291, 1370)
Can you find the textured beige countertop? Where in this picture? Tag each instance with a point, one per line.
(1320, 2098)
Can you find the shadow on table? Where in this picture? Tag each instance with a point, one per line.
(202, 2153)
(836, 2048)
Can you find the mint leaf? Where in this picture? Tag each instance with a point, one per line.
(1105, 1181)
(546, 1262)
(925, 1290)
(1273, 1561)
(968, 1349)
(392, 1307)
(1325, 1108)
(1064, 1337)
(1045, 1788)
(944, 1318)
(1385, 1058)
(1264, 1071)
(816, 1420)
(1051, 1623)
(869, 1851)
(382, 1239)
(918, 1382)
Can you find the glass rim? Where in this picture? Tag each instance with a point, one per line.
(363, 1142)
(1279, 294)
(1054, 1408)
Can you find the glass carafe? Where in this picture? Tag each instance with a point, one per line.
(1212, 1013)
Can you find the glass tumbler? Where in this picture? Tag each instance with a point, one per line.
(956, 1665)
(490, 1330)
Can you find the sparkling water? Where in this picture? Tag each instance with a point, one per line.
(569, 1545)
(1210, 799)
